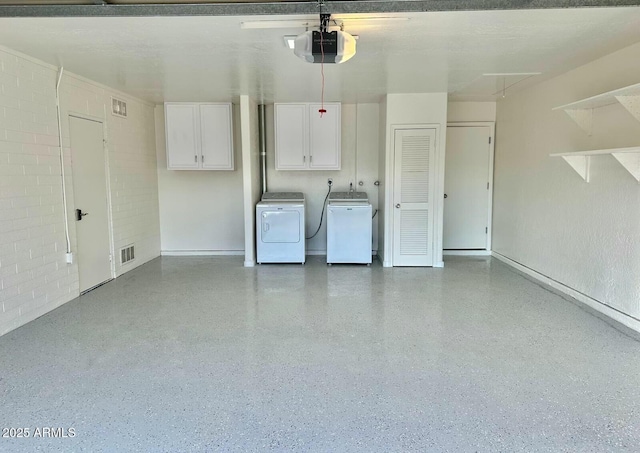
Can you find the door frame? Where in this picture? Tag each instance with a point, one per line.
(438, 200)
(492, 134)
(105, 147)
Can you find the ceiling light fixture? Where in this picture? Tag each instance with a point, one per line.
(289, 41)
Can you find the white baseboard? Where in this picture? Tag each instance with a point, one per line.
(596, 305)
(202, 252)
(466, 252)
(251, 263)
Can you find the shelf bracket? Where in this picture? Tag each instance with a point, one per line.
(632, 104)
(630, 161)
(581, 164)
(583, 118)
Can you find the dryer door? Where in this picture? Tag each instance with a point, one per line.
(280, 226)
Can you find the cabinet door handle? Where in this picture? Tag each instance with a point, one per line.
(310, 159)
(304, 159)
(202, 158)
(195, 159)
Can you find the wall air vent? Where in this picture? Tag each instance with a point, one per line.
(118, 107)
(127, 254)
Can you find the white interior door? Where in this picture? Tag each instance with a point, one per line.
(466, 188)
(413, 190)
(90, 200)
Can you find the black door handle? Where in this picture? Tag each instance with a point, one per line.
(445, 195)
(80, 214)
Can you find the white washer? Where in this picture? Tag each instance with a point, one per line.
(349, 228)
(280, 228)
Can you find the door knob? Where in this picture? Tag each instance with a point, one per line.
(398, 206)
(80, 214)
(445, 195)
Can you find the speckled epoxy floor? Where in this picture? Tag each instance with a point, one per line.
(201, 354)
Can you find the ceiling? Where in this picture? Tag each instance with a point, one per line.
(208, 58)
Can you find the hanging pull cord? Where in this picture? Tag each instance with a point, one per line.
(324, 21)
(322, 109)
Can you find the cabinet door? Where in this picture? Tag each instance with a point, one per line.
(324, 137)
(217, 142)
(291, 136)
(183, 149)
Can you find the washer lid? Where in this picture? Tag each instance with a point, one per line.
(348, 196)
(280, 204)
(282, 196)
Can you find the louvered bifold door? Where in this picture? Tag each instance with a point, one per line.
(413, 187)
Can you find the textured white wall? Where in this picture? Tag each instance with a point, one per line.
(359, 162)
(367, 136)
(471, 111)
(583, 235)
(200, 211)
(34, 276)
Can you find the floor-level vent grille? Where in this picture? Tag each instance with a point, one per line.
(127, 254)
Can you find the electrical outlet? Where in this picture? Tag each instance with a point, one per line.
(330, 182)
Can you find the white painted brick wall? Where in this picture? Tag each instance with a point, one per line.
(32, 242)
(34, 275)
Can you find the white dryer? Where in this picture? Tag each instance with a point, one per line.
(280, 228)
(349, 228)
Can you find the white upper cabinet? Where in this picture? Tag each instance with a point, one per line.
(324, 137)
(183, 144)
(306, 141)
(291, 136)
(199, 136)
(215, 131)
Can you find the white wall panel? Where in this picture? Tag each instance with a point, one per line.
(583, 235)
(200, 211)
(252, 190)
(471, 111)
(406, 110)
